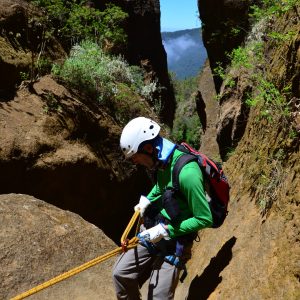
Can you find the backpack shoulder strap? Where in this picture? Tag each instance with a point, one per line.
(180, 163)
(207, 165)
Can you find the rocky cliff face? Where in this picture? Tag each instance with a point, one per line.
(145, 47)
(225, 24)
(63, 148)
(210, 110)
(280, 58)
(255, 254)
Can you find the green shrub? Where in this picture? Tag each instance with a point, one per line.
(113, 34)
(268, 185)
(187, 129)
(273, 101)
(240, 58)
(245, 57)
(271, 8)
(187, 126)
(94, 72)
(43, 66)
(183, 88)
(86, 70)
(73, 21)
(282, 37)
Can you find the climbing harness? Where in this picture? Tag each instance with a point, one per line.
(175, 261)
(126, 244)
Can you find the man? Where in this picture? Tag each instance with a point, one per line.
(170, 219)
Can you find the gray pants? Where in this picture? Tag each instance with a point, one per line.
(135, 266)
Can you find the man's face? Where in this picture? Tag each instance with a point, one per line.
(144, 159)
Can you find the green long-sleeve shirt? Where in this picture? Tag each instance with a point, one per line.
(195, 213)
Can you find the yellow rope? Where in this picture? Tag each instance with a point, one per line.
(130, 225)
(129, 244)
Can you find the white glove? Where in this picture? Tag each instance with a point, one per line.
(143, 204)
(154, 234)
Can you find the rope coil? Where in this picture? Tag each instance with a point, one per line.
(125, 245)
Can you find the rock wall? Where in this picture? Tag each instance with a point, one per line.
(225, 24)
(210, 110)
(255, 254)
(280, 66)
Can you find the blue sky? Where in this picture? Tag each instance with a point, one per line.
(178, 15)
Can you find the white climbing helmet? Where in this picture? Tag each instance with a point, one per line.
(135, 132)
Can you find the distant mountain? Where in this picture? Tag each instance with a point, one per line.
(185, 52)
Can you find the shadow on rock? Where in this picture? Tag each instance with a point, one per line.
(202, 286)
(6, 95)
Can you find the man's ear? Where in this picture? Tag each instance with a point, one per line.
(148, 148)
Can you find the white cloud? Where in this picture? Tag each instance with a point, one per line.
(175, 47)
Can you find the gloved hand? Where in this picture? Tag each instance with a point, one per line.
(142, 205)
(154, 234)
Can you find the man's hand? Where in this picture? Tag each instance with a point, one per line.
(154, 234)
(142, 205)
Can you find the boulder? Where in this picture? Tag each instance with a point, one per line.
(39, 241)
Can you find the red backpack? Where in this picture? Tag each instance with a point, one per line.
(217, 184)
